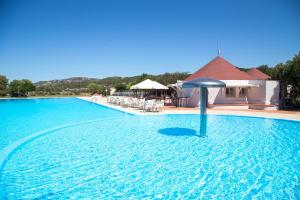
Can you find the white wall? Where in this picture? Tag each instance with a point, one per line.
(257, 94)
(265, 92)
(220, 97)
(213, 93)
(194, 94)
(272, 92)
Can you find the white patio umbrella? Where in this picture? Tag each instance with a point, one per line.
(148, 85)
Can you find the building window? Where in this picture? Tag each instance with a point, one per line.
(243, 92)
(230, 92)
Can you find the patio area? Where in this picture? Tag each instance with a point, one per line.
(225, 110)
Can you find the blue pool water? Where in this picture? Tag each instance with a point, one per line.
(96, 152)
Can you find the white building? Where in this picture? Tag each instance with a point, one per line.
(250, 89)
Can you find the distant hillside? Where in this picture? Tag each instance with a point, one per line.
(165, 78)
(76, 85)
(68, 80)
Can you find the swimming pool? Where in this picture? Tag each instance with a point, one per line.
(84, 150)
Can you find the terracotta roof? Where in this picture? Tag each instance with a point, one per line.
(258, 74)
(220, 69)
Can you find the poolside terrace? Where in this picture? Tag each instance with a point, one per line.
(222, 110)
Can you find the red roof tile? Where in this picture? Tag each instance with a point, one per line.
(220, 69)
(258, 74)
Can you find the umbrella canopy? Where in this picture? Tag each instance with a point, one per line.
(148, 85)
(203, 82)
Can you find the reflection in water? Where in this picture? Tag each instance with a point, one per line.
(203, 125)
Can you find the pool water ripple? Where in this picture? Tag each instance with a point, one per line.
(7, 151)
(148, 157)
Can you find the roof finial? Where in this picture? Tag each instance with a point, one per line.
(219, 51)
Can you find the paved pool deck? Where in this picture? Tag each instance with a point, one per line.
(277, 114)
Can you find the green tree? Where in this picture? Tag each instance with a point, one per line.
(141, 78)
(266, 69)
(19, 88)
(292, 77)
(279, 72)
(121, 87)
(289, 76)
(3, 85)
(95, 88)
(169, 78)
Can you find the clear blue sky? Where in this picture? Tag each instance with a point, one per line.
(53, 39)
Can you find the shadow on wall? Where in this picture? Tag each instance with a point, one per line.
(275, 96)
(219, 97)
(178, 132)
